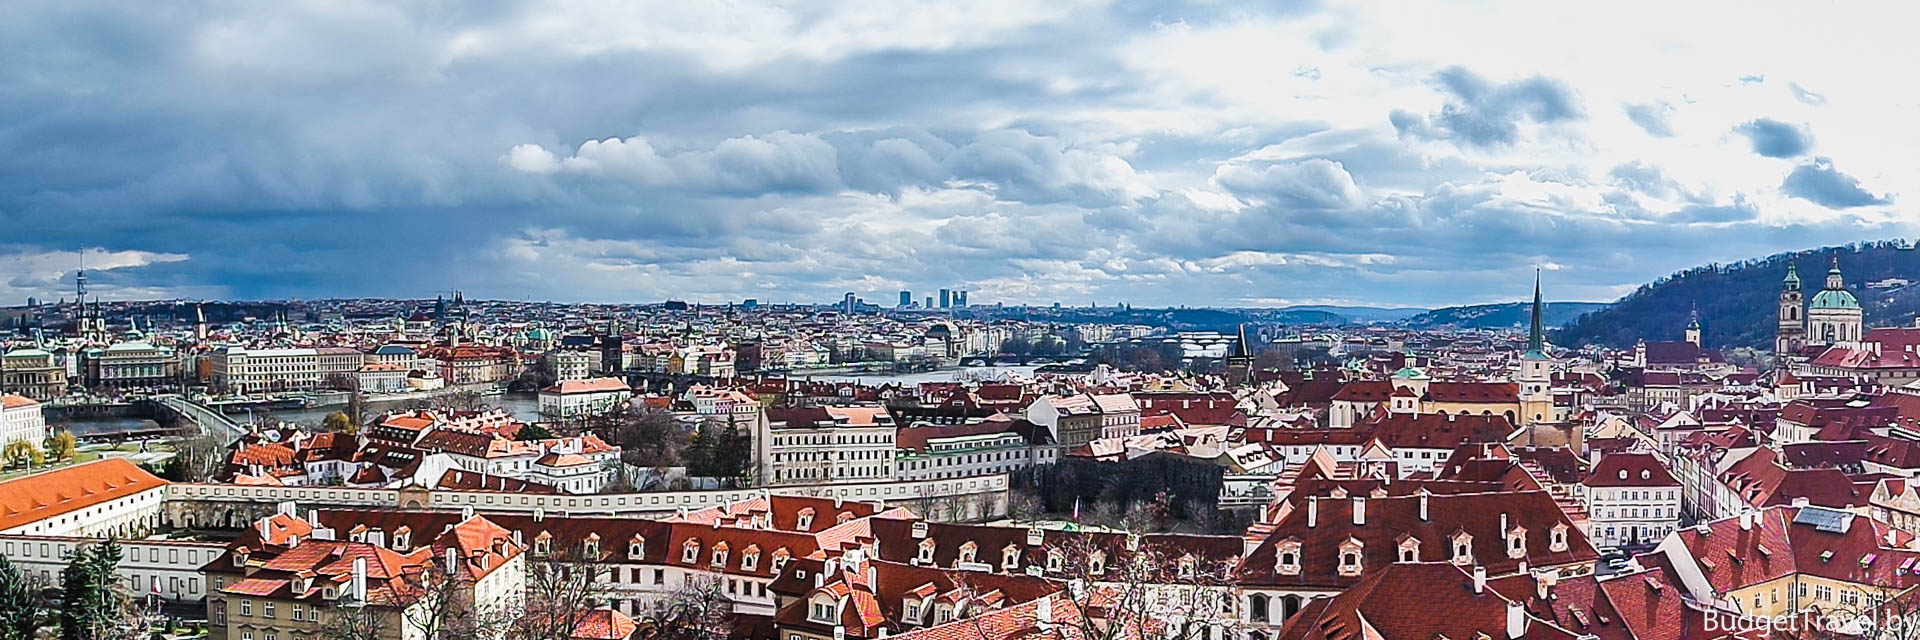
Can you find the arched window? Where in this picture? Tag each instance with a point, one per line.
(1257, 607)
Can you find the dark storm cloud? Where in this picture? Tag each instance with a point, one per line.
(1822, 184)
(1776, 139)
(1485, 114)
(285, 149)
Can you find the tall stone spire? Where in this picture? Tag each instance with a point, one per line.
(1536, 341)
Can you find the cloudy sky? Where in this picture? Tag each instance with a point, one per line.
(1156, 153)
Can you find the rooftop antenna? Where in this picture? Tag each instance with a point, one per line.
(80, 276)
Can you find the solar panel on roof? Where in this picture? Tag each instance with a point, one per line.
(1825, 520)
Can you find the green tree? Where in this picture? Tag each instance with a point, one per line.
(90, 608)
(699, 455)
(535, 431)
(62, 445)
(340, 422)
(21, 453)
(19, 606)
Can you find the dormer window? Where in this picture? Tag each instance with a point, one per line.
(750, 559)
(690, 552)
(719, 558)
(1010, 558)
(969, 551)
(1287, 558)
(402, 539)
(823, 609)
(1517, 543)
(1055, 560)
(543, 545)
(1186, 566)
(240, 557)
(843, 518)
(925, 555)
(805, 520)
(780, 556)
(911, 608)
(1557, 538)
(1097, 563)
(1410, 549)
(1463, 549)
(1350, 557)
(590, 548)
(637, 548)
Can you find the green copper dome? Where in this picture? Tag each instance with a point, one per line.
(1834, 299)
(1410, 373)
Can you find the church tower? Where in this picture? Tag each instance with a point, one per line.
(1240, 364)
(1834, 315)
(1536, 368)
(199, 323)
(1791, 334)
(1693, 326)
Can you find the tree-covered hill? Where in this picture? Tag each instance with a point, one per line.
(1499, 315)
(1739, 303)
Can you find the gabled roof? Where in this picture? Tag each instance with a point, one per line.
(49, 494)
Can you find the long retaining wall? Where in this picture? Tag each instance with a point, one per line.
(226, 505)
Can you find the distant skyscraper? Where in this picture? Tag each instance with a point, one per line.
(847, 304)
(906, 299)
(960, 298)
(946, 298)
(750, 303)
(929, 304)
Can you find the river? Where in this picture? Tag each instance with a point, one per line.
(525, 406)
(995, 372)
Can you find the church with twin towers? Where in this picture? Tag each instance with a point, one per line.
(1833, 315)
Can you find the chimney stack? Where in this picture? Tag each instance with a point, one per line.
(1746, 521)
(1359, 511)
(1423, 503)
(359, 583)
(1313, 511)
(1479, 579)
(1516, 620)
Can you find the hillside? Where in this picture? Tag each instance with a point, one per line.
(1499, 315)
(1362, 314)
(1739, 302)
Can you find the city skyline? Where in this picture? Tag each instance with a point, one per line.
(1196, 154)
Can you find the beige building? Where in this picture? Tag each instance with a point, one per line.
(34, 373)
(130, 365)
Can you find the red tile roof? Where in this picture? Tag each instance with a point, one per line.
(49, 494)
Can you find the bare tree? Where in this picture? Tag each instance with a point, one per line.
(197, 457)
(439, 604)
(1886, 606)
(353, 621)
(1122, 586)
(563, 585)
(695, 611)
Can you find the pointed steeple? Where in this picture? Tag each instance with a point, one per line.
(1240, 348)
(1536, 341)
(1792, 281)
(1693, 317)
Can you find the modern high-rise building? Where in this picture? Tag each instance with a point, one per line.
(929, 304)
(946, 298)
(960, 298)
(906, 299)
(848, 303)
